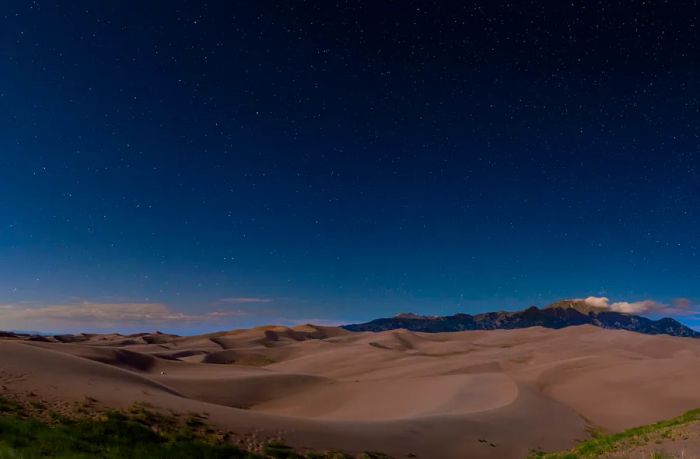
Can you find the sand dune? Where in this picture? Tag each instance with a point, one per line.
(476, 394)
(358, 400)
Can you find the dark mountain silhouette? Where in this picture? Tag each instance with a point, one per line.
(558, 315)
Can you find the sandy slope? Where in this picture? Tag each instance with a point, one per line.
(470, 394)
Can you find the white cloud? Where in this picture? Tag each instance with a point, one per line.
(226, 314)
(101, 315)
(597, 301)
(637, 307)
(93, 311)
(245, 300)
(678, 307)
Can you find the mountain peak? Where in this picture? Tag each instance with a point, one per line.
(410, 315)
(581, 306)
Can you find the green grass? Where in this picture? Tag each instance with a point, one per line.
(601, 445)
(114, 436)
(31, 431)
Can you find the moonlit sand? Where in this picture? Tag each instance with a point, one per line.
(490, 394)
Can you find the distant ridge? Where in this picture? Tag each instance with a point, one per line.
(557, 315)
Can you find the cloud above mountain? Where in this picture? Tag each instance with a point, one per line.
(678, 307)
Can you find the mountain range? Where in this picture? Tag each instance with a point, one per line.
(558, 315)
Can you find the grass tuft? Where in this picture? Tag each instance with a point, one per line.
(602, 445)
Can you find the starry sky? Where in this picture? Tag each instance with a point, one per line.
(197, 165)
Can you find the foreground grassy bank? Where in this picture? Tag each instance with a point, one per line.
(33, 432)
(617, 445)
(135, 433)
(115, 436)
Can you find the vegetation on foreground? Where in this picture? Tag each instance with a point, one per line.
(138, 432)
(618, 443)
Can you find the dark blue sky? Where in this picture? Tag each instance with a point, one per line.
(258, 161)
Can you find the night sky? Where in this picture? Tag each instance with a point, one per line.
(207, 165)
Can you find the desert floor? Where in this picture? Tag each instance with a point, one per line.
(480, 394)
